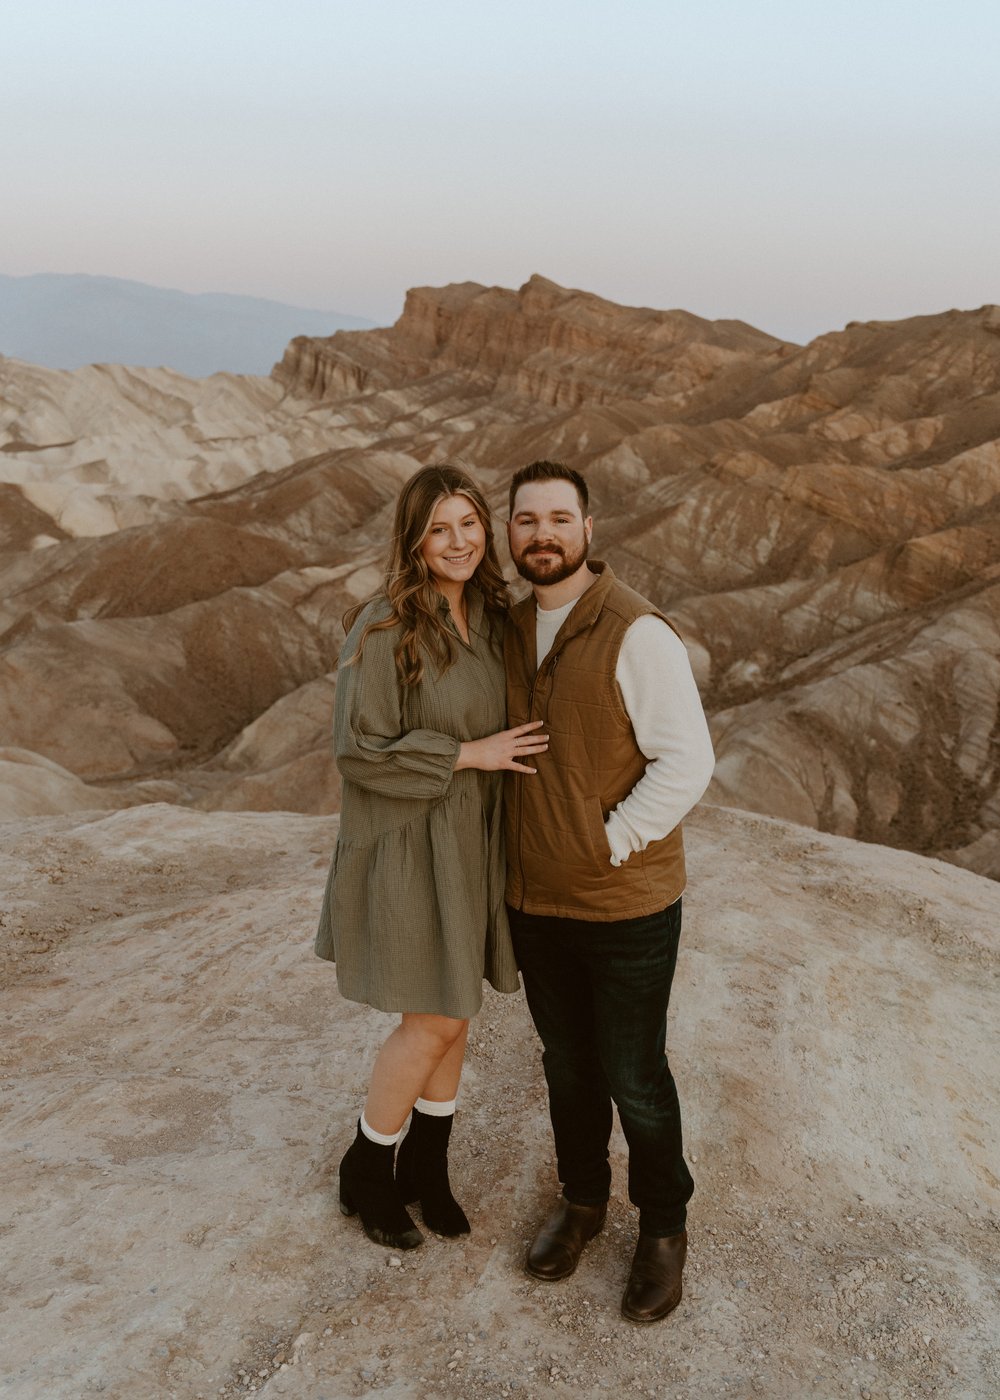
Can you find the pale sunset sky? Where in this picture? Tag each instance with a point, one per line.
(791, 163)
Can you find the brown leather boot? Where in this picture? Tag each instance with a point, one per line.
(558, 1245)
(654, 1284)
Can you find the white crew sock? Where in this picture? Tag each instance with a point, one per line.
(384, 1139)
(432, 1108)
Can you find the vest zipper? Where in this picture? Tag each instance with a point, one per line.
(551, 661)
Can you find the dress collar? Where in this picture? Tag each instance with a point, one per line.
(474, 604)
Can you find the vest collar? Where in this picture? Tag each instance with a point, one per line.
(582, 616)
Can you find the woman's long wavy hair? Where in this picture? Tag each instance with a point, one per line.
(412, 593)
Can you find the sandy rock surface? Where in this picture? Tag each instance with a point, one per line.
(106, 447)
(182, 1079)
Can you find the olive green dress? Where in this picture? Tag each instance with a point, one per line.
(413, 913)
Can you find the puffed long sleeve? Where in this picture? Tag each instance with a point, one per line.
(372, 747)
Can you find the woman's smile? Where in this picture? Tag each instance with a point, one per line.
(455, 542)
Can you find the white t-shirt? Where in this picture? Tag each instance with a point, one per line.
(664, 707)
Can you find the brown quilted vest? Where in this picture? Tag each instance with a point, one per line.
(558, 859)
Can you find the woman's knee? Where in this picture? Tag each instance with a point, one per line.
(435, 1033)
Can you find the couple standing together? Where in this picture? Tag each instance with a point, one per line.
(583, 696)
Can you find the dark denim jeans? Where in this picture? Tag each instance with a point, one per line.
(598, 994)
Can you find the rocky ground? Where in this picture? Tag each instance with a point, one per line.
(182, 1079)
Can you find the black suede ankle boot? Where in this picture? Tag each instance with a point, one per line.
(422, 1174)
(368, 1189)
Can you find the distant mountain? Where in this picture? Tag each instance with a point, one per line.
(67, 321)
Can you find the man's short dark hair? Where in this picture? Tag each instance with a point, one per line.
(550, 471)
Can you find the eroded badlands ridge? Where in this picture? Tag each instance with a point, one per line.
(821, 522)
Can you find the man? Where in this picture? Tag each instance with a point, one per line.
(595, 875)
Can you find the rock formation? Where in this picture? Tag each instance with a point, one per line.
(821, 522)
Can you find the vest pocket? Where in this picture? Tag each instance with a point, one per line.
(595, 828)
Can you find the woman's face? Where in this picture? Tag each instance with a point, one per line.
(455, 542)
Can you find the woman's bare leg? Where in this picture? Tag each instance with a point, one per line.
(422, 1160)
(421, 1048)
(443, 1083)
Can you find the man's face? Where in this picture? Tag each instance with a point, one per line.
(549, 537)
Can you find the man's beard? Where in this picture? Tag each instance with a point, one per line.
(561, 567)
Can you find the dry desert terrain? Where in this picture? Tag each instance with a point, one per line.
(821, 523)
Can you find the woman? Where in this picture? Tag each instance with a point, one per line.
(413, 913)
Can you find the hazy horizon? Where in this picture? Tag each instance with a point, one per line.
(793, 170)
(66, 320)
